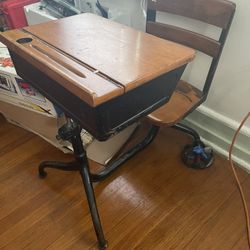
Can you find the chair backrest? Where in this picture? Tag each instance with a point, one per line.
(215, 12)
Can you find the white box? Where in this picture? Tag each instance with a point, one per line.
(116, 11)
(47, 127)
(13, 89)
(38, 123)
(35, 14)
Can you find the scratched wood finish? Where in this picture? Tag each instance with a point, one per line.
(72, 75)
(152, 202)
(128, 56)
(98, 59)
(184, 99)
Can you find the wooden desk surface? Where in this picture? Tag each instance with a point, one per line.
(94, 58)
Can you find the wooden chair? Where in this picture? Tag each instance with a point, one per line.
(186, 97)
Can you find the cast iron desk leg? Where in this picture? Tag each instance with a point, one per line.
(72, 133)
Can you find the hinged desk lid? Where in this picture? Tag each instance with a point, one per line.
(95, 58)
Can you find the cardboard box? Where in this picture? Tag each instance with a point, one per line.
(43, 125)
(13, 89)
(36, 14)
(47, 126)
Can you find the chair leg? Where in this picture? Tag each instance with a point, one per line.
(188, 130)
(197, 155)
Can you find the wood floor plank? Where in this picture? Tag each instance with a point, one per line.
(178, 227)
(224, 223)
(170, 225)
(152, 202)
(115, 189)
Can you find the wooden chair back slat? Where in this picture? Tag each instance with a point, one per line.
(199, 42)
(215, 12)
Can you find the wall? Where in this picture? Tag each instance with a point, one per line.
(228, 100)
(229, 95)
(231, 87)
(129, 9)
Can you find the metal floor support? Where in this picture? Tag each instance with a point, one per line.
(71, 132)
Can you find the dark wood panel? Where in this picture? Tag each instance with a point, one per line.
(194, 40)
(215, 12)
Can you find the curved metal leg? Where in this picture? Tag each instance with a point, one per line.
(110, 168)
(84, 171)
(71, 132)
(196, 155)
(82, 160)
(70, 166)
(189, 131)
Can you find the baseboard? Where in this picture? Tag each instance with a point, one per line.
(217, 131)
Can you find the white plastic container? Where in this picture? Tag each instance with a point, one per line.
(35, 14)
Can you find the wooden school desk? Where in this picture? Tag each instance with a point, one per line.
(103, 75)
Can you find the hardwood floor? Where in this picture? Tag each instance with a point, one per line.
(152, 202)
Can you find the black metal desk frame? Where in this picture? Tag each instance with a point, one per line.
(71, 132)
(155, 89)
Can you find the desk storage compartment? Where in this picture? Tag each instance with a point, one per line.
(112, 116)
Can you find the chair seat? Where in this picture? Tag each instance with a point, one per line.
(185, 98)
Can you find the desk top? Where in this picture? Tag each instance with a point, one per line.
(94, 58)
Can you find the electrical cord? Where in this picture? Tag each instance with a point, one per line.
(237, 178)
